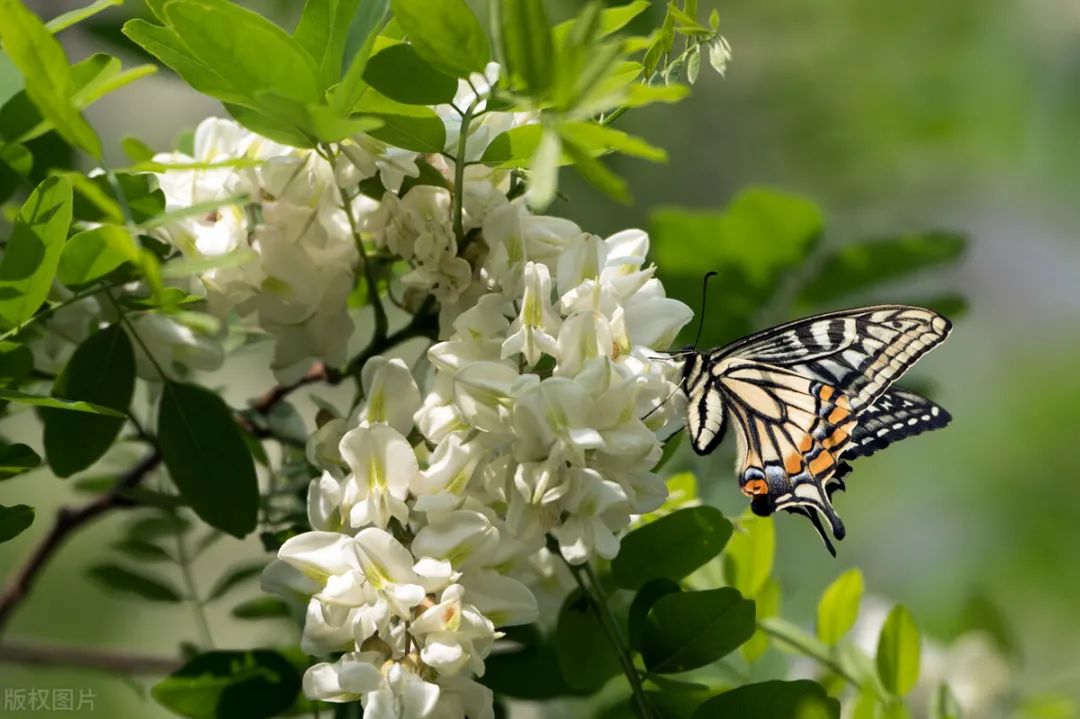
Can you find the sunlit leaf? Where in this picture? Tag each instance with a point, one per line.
(528, 48)
(71, 17)
(839, 606)
(322, 31)
(445, 33)
(748, 559)
(898, 652)
(57, 403)
(94, 253)
(400, 74)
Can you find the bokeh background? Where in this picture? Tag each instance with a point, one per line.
(893, 117)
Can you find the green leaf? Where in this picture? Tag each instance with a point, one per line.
(898, 652)
(544, 170)
(857, 266)
(94, 253)
(141, 551)
(672, 547)
(101, 371)
(596, 173)
(400, 74)
(56, 402)
(646, 597)
(152, 528)
(253, 684)
(16, 459)
(164, 44)
(261, 608)
(610, 21)
(33, 251)
(14, 520)
(801, 699)
(207, 459)
(673, 699)
(759, 238)
(528, 49)
(586, 658)
(16, 363)
(749, 556)
(531, 673)
(11, 80)
(234, 578)
(251, 53)
(344, 96)
(42, 62)
(96, 200)
(514, 147)
(839, 606)
(125, 581)
(410, 127)
(691, 629)
(322, 31)
(71, 17)
(137, 150)
(597, 139)
(446, 33)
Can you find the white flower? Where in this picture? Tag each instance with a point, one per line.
(390, 394)
(383, 468)
(403, 695)
(348, 679)
(453, 635)
(535, 327)
(598, 508)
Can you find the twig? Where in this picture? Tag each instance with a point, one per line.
(319, 372)
(67, 521)
(54, 655)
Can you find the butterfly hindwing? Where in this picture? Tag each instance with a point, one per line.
(897, 414)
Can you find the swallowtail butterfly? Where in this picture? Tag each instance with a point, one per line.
(807, 397)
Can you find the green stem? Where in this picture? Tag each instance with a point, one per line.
(198, 609)
(50, 311)
(459, 170)
(823, 658)
(590, 587)
(138, 340)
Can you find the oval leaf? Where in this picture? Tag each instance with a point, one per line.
(95, 253)
(253, 684)
(691, 629)
(207, 458)
(16, 459)
(446, 33)
(234, 578)
(800, 699)
(671, 547)
(125, 581)
(101, 371)
(749, 556)
(527, 45)
(400, 74)
(839, 606)
(898, 652)
(14, 520)
(586, 658)
(261, 608)
(644, 600)
(33, 250)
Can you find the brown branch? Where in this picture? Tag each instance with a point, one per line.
(54, 655)
(68, 519)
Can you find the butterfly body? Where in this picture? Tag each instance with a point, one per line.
(809, 396)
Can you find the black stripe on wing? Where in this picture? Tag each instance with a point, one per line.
(896, 415)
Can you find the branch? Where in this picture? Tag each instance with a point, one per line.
(68, 520)
(53, 655)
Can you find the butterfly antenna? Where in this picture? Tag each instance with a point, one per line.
(701, 311)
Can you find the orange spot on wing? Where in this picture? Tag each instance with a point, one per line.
(821, 463)
(838, 437)
(826, 392)
(755, 487)
(838, 415)
(806, 443)
(793, 464)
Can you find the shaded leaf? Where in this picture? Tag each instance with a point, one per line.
(101, 371)
(33, 250)
(14, 520)
(15, 459)
(149, 529)
(860, 265)
(261, 608)
(586, 658)
(691, 629)
(218, 684)
(207, 459)
(234, 578)
(766, 604)
(802, 699)
(142, 551)
(16, 363)
(646, 597)
(671, 547)
(71, 406)
(531, 673)
(400, 74)
(125, 581)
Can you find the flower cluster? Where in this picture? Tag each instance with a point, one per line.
(536, 424)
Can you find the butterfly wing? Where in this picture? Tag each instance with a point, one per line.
(791, 430)
(859, 352)
(897, 414)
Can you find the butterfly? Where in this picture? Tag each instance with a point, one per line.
(807, 397)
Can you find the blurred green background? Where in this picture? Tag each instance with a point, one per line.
(893, 117)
